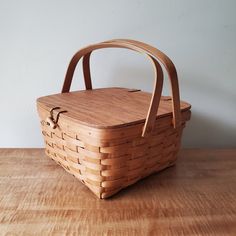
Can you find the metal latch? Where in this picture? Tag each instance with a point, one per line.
(50, 121)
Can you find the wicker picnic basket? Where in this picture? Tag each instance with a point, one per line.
(110, 138)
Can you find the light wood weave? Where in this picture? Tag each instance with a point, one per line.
(103, 150)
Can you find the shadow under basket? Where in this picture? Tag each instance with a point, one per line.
(110, 138)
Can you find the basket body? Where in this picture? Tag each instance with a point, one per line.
(107, 160)
(111, 138)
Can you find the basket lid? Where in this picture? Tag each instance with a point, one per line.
(107, 107)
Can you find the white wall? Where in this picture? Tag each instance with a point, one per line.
(38, 38)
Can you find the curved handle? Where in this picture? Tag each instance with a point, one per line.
(165, 60)
(151, 116)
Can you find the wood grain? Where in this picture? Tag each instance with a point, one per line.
(105, 108)
(195, 197)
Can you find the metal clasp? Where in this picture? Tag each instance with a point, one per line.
(50, 121)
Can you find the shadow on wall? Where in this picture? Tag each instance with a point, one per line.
(204, 131)
(213, 123)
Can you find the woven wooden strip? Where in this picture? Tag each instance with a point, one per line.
(115, 161)
(84, 152)
(79, 169)
(92, 166)
(121, 149)
(72, 159)
(113, 183)
(115, 172)
(109, 193)
(74, 141)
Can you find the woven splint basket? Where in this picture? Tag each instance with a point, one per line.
(110, 138)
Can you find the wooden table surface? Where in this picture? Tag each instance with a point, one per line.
(195, 197)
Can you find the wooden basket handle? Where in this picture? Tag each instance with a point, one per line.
(151, 116)
(157, 54)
